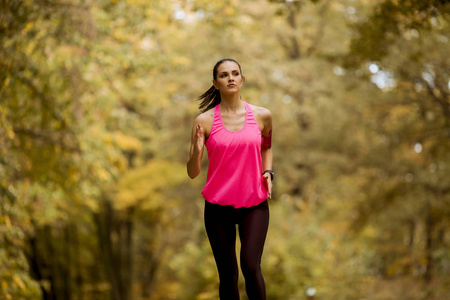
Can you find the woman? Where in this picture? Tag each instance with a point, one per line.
(239, 180)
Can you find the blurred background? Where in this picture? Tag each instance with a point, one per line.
(97, 101)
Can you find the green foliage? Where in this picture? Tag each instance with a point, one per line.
(392, 19)
(15, 282)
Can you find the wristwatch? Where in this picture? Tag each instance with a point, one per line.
(272, 173)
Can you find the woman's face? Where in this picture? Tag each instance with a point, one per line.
(229, 79)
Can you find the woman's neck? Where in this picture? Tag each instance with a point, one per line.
(231, 103)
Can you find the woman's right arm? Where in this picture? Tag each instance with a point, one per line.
(197, 146)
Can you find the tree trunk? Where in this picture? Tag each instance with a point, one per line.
(294, 52)
(66, 267)
(128, 254)
(77, 263)
(429, 227)
(103, 220)
(116, 244)
(35, 265)
(411, 234)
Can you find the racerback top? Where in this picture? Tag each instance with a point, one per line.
(235, 164)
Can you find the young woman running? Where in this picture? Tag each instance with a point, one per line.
(237, 136)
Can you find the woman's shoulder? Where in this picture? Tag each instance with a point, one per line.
(205, 116)
(261, 112)
(205, 119)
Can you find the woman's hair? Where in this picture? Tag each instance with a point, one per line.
(211, 97)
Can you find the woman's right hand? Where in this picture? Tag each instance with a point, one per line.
(199, 139)
(196, 152)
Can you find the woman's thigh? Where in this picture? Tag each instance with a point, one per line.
(253, 231)
(221, 231)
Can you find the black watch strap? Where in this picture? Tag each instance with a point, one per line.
(272, 173)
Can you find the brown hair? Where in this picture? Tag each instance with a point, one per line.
(211, 97)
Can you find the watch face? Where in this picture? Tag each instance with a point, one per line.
(270, 172)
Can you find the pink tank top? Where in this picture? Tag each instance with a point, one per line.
(235, 165)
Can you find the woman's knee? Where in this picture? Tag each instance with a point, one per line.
(250, 267)
(228, 271)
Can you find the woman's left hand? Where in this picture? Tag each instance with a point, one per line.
(268, 182)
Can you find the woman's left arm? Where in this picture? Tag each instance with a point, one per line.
(266, 148)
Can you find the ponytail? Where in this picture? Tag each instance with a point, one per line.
(209, 99)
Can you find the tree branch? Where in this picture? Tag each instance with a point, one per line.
(45, 138)
(442, 102)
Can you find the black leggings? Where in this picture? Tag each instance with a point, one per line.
(220, 223)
